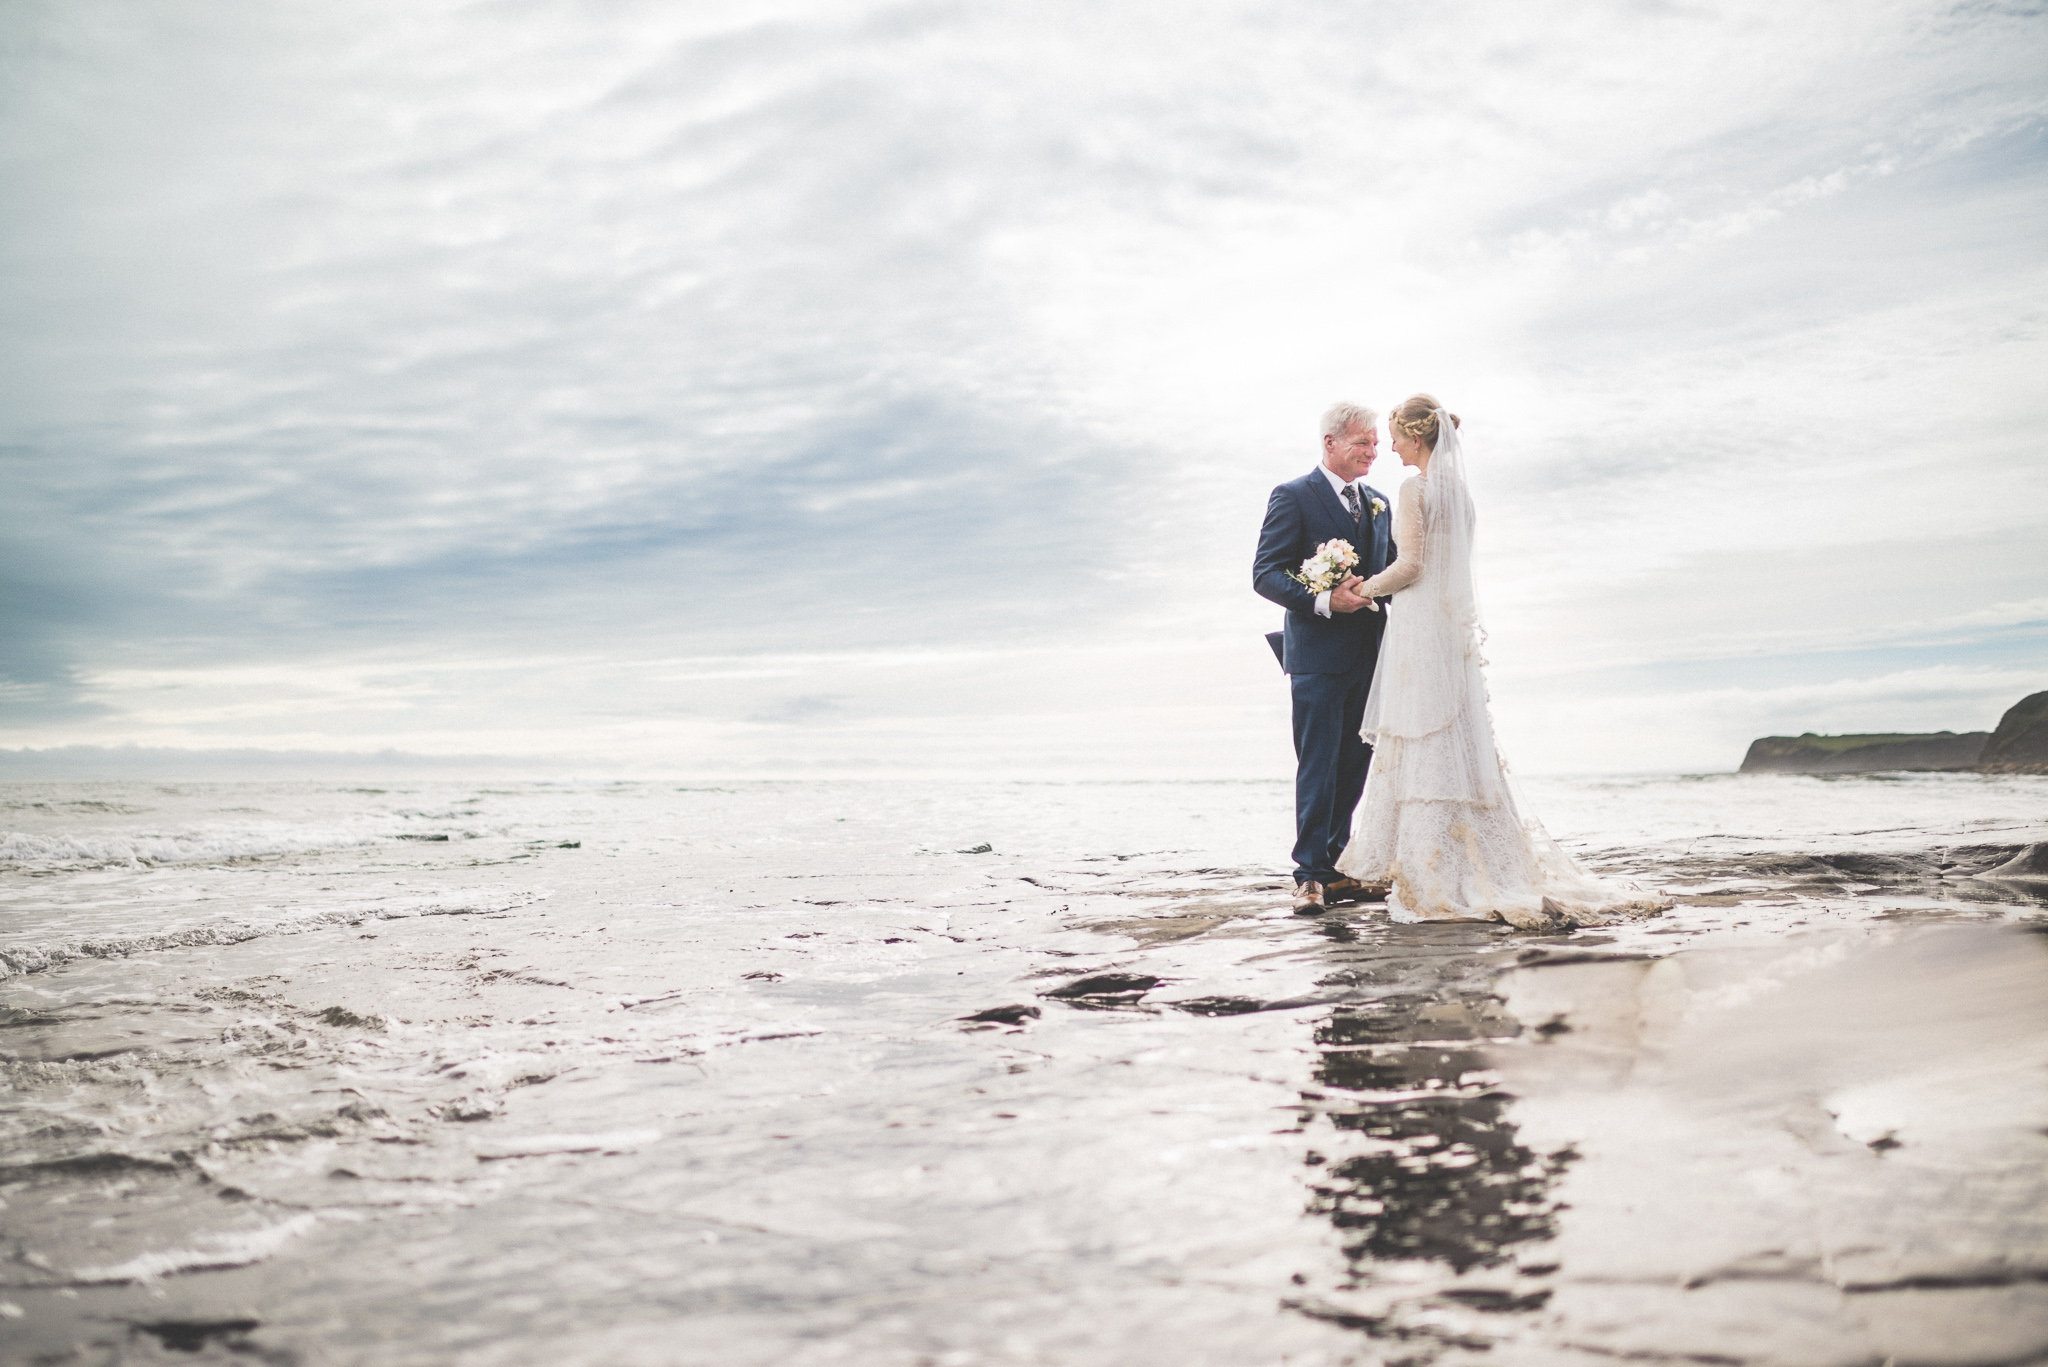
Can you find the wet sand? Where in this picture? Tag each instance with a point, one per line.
(1019, 1075)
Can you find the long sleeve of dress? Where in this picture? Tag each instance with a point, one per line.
(1407, 566)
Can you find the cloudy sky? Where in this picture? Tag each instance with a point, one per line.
(790, 388)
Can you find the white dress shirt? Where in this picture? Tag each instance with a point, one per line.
(1338, 487)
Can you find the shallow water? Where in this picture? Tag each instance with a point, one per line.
(1024, 1073)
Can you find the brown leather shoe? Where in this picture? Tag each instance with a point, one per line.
(1351, 890)
(1308, 899)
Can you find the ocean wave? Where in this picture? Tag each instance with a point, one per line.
(237, 1250)
(538, 1146)
(29, 852)
(84, 804)
(17, 960)
(99, 1163)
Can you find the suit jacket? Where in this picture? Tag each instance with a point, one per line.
(1300, 515)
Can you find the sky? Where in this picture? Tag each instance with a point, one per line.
(788, 389)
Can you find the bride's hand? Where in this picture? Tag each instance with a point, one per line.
(1345, 597)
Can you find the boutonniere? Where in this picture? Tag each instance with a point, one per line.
(1379, 505)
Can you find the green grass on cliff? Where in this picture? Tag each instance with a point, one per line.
(1837, 744)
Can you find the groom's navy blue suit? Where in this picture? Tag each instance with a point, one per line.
(1329, 660)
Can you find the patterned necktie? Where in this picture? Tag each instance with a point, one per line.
(1351, 501)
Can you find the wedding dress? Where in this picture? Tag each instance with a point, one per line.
(1440, 824)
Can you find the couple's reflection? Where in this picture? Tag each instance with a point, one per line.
(1414, 1157)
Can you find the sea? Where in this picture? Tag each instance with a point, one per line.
(951, 1074)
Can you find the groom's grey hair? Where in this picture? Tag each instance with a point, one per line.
(1344, 415)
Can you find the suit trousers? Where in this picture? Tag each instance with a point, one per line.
(1330, 763)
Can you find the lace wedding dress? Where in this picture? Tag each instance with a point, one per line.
(1439, 822)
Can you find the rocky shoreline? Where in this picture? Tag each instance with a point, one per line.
(826, 1075)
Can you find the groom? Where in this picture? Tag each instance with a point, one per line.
(1331, 642)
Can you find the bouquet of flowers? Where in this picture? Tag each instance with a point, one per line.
(1328, 567)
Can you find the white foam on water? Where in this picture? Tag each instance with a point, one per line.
(31, 852)
(16, 960)
(238, 1250)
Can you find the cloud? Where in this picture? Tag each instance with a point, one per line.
(521, 378)
(802, 709)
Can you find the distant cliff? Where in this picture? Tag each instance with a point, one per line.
(2020, 744)
(1811, 754)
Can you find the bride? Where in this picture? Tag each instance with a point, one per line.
(1440, 831)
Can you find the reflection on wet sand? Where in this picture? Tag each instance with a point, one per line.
(1444, 1179)
(1816, 1146)
(1415, 1160)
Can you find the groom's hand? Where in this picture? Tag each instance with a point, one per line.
(1346, 597)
